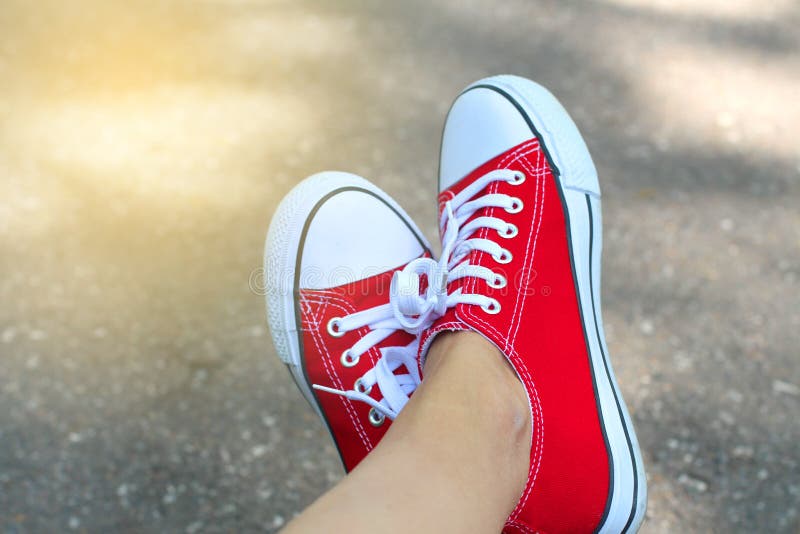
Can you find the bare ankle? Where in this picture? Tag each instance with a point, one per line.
(483, 393)
(486, 372)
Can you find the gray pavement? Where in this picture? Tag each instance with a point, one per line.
(144, 146)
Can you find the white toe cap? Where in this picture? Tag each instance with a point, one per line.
(355, 234)
(480, 125)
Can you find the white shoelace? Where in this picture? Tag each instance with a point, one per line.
(414, 311)
(395, 388)
(417, 311)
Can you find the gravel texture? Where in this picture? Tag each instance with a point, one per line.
(144, 146)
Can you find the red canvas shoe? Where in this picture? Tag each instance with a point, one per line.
(331, 250)
(521, 237)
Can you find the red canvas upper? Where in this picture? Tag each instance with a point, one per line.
(540, 330)
(348, 420)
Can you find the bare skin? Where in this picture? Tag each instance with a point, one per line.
(455, 460)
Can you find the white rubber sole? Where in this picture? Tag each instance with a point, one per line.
(580, 190)
(281, 254)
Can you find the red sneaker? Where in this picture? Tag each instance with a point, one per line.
(331, 250)
(521, 237)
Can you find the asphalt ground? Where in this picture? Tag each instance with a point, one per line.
(144, 147)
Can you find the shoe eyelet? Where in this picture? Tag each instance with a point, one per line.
(359, 386)
(333, 327)
(492, 308)
(348, 360)
(511, 231)
(518, 178)
(498, 282)
(516, 206)
(504, 257)
(376, 418)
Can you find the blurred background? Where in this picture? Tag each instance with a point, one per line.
(144, 147)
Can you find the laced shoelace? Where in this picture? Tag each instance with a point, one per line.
(395, 388)
(417, 310)
(413, 310)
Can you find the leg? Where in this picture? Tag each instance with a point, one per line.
(455, 460)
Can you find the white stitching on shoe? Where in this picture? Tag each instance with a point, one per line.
(330, 368)
(374, 352)
(374, 325)
(521, 301)
(537, 418)
(530, 249)
(523, 527)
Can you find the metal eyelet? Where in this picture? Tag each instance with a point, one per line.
(511, 231)
(519, 177)
(333, 327)
(516, 206)
(498, 282)
(359, 386)
(349, 360)
(504, 257)
(492, 308)
(376, 418)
